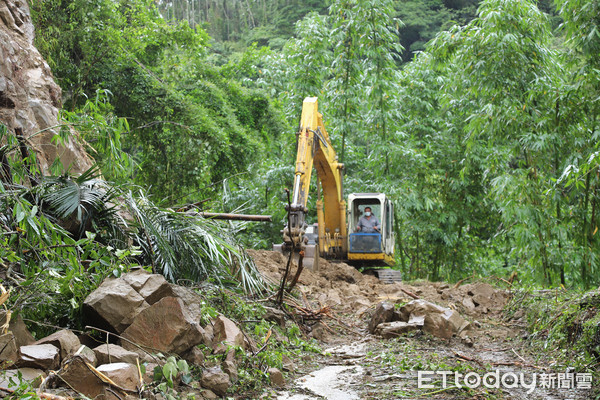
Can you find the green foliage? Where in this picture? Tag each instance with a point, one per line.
(565, 323)
(168, 373)
(103, 132)
(487, 140)
(183, 246)
(187, 128)
(21, 389)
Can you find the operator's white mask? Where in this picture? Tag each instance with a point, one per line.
(367, 213)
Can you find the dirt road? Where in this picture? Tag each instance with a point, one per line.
(494, 361)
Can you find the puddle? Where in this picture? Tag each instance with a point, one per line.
(333, 382)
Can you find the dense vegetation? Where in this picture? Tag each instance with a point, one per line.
(486, 139)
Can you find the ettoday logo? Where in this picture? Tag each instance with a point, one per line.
(507, 380)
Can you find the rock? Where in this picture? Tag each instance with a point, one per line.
(216, 380)
(275, 315)
(418, 320)
(226, 333)
(17, 326)
(31, 375)
(8, 348)
(320, 333)
(209, 394)
(65, 340)
(88, 355)
(389, 330)
(483, 294)
(193, 301)
(123, 374)
(468, 304)
(385, 312)
(111, 353)
(165, 326)
(438, 321)
(276, 377)
(194, 356)
(76, 375)
(439, 326)
(208, 336)
(152, 287)
(114, 305)
(419, 307)
(288, 364)
(230, 369)
(444, 324)
(42, 356)
(29, 97)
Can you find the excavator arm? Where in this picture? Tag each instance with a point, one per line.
(315, 150)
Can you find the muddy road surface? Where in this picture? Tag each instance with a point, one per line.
(492, 359)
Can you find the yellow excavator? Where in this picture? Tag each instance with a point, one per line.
(335, 235)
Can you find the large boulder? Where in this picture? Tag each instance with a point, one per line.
(111, 353)
(78, 376)
(165, 326)
(8, 348)
(114, 305)
(42, 356)
(152, 287)
(385, 312)
(216, 380)
(16, 325)
(30, 375)
(436, 320)
(123, 374)
(65, 340)
(29, 98)
(226, 333)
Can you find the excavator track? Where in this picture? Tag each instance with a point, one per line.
(389, 275)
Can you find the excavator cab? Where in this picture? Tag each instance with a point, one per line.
(370, 247)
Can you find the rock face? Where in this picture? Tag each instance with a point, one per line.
(152, 287)
(114, 304)
(29, 97)
(79, 377)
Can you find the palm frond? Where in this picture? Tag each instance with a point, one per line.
(183, 246)
(84, 199)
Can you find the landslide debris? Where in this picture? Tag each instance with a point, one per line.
(344, 288)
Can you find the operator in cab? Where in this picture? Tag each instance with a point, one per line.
(368, 223)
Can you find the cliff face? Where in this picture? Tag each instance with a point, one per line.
(29, 97)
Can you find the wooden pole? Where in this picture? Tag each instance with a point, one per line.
(235, 217)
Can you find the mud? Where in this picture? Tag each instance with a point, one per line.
(357, 365)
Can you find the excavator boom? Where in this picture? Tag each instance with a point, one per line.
(315, 149)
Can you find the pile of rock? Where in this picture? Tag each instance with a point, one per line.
(389, 322)
(149, 316)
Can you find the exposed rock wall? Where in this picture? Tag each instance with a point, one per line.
(29, 97)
